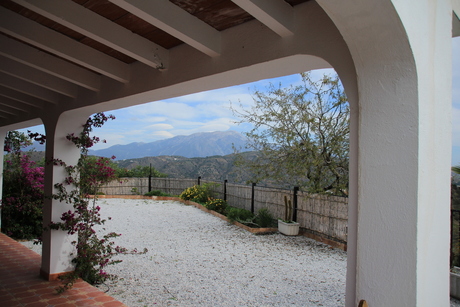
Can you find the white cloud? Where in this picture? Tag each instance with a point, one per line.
(160, 135)
(162, 109)
(154, 119)
(133, 132)
(160, 127)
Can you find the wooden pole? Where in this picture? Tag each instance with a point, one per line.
(150, 178)
(294, 213)
(252, 197)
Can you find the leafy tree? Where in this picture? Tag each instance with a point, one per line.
(456, 169)
(455, 190)
(456, 175)
(455, 205)
(301, 135)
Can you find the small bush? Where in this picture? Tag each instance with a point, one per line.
(156, 193)
(218, 205)
(197, 193)
(239, 215)
(264, 218)
(22, 204)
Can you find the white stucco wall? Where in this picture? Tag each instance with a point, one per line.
(431, 43)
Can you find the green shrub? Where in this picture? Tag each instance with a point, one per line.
(264, 218)
(197, 193)
(239, 215)
(22, 204)
(218, 205)
(156, 193)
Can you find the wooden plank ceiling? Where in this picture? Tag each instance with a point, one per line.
(50, 49)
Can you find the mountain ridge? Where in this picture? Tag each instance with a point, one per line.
(197, 145)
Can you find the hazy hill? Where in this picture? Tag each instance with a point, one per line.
(216, 168)
(202, 144)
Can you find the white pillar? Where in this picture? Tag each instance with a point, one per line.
(57, 247)
(399, 206)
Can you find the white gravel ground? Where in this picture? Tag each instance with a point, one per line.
(196, 259)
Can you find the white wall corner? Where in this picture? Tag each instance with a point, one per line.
(456, 18)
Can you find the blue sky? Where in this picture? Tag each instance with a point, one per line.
(456, 102)
(210, 111)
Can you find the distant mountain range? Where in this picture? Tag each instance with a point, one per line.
(204, 144)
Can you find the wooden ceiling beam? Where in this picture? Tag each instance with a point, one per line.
(6, 107)
(53, 42)
(37, 77)
(177, 22)
(277, 15)
(22, 98)
(45, 62)
(29, 88)
(17, 105)
(94, 26)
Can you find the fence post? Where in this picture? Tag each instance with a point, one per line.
(458, 229)
(225, 189)
(150, 178)
(199, 180)
(294, 203)
(252, 197)
(451, 237)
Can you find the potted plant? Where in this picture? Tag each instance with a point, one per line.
(287, 226)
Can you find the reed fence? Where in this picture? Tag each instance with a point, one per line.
(321, 216)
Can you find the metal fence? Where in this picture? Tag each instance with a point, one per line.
(320, 215)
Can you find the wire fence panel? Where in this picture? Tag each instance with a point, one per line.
(216, 188)
(239, 196)
(272, 199)
(323, 214)
(173, 186)
(126, 186)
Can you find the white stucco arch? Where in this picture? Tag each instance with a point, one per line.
(403, 150)
(57, 248)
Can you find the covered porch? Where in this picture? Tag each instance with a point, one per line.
(61, 61)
